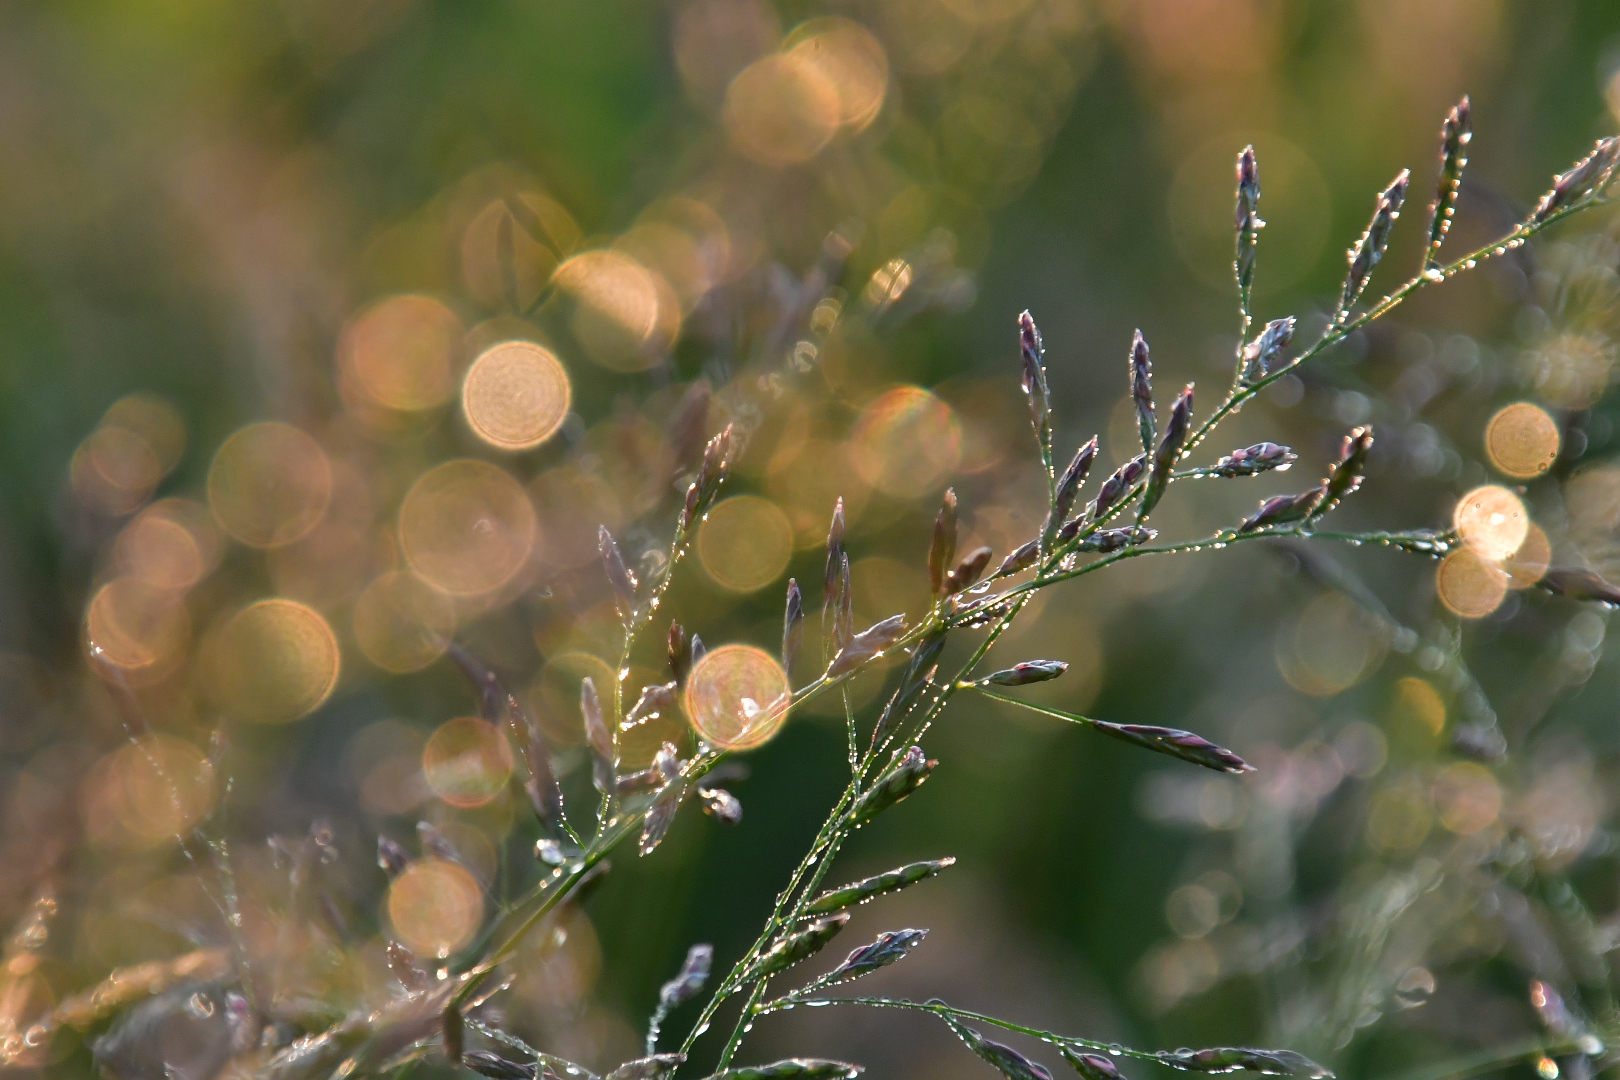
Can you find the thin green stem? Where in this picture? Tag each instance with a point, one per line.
(1340, 330)
(940, 1009)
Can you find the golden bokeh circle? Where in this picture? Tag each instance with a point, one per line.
(435, 907)
(114, 470)
(906, 442)
(515, 395)
(401, 352)
(781, 110)
(737, 697)
(133, 624)
(402, 624)
(1492, 520)
(153, 419)
(269, 484)
(625, 315)
(161, 551)
(1522, 440)
(466, 527)
(554, 694)
(847, 55)
(745, 543)
(1469, 584)
(467, 761)
(1468, 797)
(1526, 566)
(276, 660)
(149, 791)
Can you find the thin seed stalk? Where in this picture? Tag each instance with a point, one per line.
(1337, 332)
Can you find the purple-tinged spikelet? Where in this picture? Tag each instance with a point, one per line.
(1222, 1059)
(1092, 1066)
(942, 549)
(800, 946)
(490, 1064)
(907, 775)
(1249, 225)
(793, 1069)
(652, 1067)
(721, 805)
(1169, 451)
(1007, 1061)
(890, 947)
(1068, 486)
(1283, 509)
(1021, 558)
(603, 766)
(867, 644)
(391, 856)
(1455, 135)
(618, 574)
(693, 974)
(1579, 583)
(1251, 460)
(1589, 175)
(1111, 540)
(1030, 671)
(792, 625)
(1141, 371)
(680, 652)
(877, 885)
(1115, 487)
(1367, 251)
(1347, 471)
(1033, 354)
(1177, 743)
(968, 571)
(1259, 354)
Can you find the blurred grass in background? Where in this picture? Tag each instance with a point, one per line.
(318, 214)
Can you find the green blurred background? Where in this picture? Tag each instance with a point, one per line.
(195, 200)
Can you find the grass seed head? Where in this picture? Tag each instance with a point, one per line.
(1366, 252)
(943, 547)
(653, 1067)
(1252, 460)
(907, 775)
(1092, 1066)
(1030, 671)
(391, 856)
(877, 885)
(493, 1065)
(792, 625)
(968, 571)
(1455, 135)
(800, 945)
(1589, 176)
(1141, 372)
(689, 981)
(890, 946)
(1259, 355)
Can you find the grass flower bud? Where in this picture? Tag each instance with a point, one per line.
(1367, 251)
(890, 946)
(968, 571)
(906, 776)
(1030, 671)
(1252, 460)
(799, 946)
(1259, 354)
(943, 548)
(877, 885)
(1177, 743)
(1591, 174)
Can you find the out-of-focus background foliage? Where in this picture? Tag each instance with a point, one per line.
(319, 214)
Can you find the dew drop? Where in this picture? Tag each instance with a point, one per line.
(1115, 1049)
(1433, 273)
